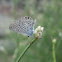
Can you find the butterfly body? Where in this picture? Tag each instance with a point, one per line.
(24, 25)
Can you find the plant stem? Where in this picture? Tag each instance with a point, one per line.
(14, 9)
(26, 50)
(53, 49)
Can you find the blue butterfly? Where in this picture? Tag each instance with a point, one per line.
(24, 25)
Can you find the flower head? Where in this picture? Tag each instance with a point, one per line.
(38, 31)
(54, 40)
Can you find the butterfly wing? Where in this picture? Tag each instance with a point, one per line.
(25, 25)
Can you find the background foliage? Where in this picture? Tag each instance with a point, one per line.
(48, 14)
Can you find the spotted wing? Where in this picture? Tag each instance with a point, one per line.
(24, 25)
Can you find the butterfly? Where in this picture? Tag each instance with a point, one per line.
(24, 25)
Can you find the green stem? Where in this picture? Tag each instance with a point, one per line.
(14, 9)
(26, 50)
(54, 57)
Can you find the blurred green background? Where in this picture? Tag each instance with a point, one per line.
(48, 14)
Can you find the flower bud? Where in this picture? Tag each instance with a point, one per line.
(38, 31)
(54, 40)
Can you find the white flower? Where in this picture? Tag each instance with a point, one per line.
(2, 49)
(54, 40)
(38, 31)
(60, 34)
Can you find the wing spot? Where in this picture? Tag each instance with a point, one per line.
(28, 17)
(19, 25)
(25, 16)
